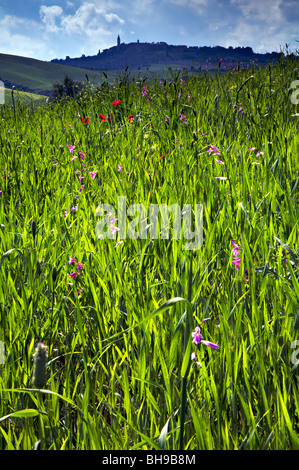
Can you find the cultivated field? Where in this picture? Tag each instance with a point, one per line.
(99, 329)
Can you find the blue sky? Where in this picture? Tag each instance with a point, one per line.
(53, 28)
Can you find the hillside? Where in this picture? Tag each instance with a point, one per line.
(37, 76)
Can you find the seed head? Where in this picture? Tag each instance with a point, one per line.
(39, 379)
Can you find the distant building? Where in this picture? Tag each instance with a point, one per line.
(118, 40)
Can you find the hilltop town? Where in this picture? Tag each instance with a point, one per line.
(141, 55)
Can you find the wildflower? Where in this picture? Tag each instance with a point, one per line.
(102, 117)
(214, 150)
(79, 266)
(81, 155)
(93, 174)
(119, 167)
(73, 275)
(236, 252)
(131, 118)
(219, 161)
(196, 335)
(198, 338)
(71, 148)
(114, 229)
(220, 178)
(39, 378)
(72, 260)
(81, 188)
(115, 103)
(74, 208)
(118, 243)
(86, 120)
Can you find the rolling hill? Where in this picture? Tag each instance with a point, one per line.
(37, 76)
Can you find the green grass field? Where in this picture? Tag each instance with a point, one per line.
(120, 371)
(40, 75)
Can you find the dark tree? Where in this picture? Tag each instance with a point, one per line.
(67, 89)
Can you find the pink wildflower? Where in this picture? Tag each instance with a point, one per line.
(73, 275)
(213, 150)
(93, 174)
(71, 148)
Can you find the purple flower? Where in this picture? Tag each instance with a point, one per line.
(194, 357)
(73, 275)
(219, 161)
(198, 338)
(72, 260)
(79, 266)
(211, 345)
(93, 174)
(71, 148)
(213, 150)
(236, 250)
(196, 335)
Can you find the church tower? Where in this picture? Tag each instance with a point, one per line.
(118, 40)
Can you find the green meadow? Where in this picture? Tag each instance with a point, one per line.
(97, 331)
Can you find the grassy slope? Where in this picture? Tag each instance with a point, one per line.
(23, 96)
(39, 75)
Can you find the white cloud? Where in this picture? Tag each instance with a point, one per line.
(49, 15)
(199, 6)
(90, 20)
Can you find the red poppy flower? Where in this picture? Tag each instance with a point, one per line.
(102, 117)
(85, 120)
(131, 117)
(115, 103)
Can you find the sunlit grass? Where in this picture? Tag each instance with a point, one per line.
(115, 356)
